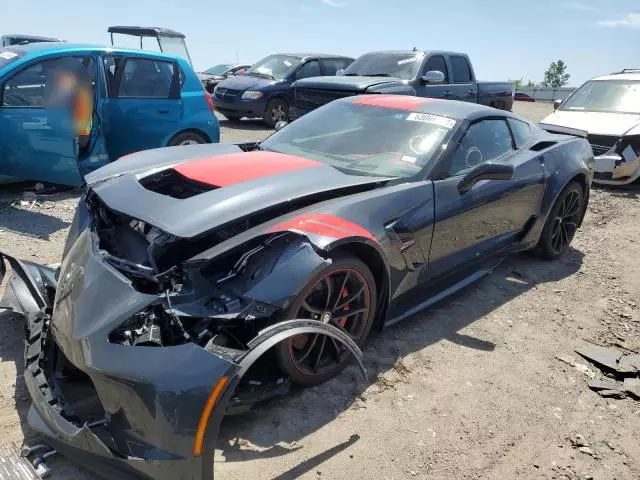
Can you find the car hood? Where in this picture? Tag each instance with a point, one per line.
(345, 82)
(230, 184)
(245, 82)
(595, 123)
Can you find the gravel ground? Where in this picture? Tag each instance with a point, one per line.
(469, 389)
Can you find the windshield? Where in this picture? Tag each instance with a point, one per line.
(348, 136)
(9, 55)
(218, 69)
(611, 96)
(401, 65)
(275, 67)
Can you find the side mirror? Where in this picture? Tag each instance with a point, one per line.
(280, 125)
(557, 103)
(433, 76)
(340, 72)
(486, 171)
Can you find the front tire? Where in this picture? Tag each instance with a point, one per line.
(187, 138)
(562, 223)
(344, 295)
(277, 110)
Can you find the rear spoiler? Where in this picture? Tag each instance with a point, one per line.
(563, 130)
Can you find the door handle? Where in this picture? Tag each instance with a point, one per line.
(471, 92)
(447, 93)
(163, 110)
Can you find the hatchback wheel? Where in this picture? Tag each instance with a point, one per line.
(277, 110)
(187, 138)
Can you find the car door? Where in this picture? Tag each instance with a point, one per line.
(144, 104)
(37, 135)
(492, 214)
(435, 90)
(463, 87)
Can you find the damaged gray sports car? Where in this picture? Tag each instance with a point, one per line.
(185, 265)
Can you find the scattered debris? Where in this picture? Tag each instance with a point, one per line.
(587, 451)
(613, 394)
(606, 357)
(579, 441)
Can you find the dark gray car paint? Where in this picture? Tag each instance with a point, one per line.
(153, 429)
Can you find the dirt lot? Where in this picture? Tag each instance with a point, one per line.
(471, 389)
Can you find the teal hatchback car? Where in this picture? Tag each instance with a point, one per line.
(133, 100)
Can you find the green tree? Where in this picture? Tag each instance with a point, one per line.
(517, 83)
(556, 75)
(530, 84)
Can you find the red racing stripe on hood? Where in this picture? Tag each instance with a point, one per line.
(400, 102)
(325, 225)
(234, 168)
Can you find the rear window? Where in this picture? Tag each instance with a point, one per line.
(461, 69)
(9, 55)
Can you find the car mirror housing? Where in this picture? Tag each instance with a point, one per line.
(486, 171)
(557, 103)
(280, 125)
(433, 76)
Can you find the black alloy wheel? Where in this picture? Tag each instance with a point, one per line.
(344, 296)
(562, 223)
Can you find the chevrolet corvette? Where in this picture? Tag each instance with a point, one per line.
(196, 278)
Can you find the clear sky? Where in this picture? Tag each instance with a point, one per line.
(505, 39)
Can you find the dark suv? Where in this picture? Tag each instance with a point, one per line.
(265, 89)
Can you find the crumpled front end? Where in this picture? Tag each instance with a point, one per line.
(617, 160)
(131, 369)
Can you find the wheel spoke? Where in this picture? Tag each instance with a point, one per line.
(340, 327)
(336, 348)
(310, 349)
(351, 313)
(319, 357)
(328, 282)
(311, 309)
(344, 284)
(350, 299)
(573, 225)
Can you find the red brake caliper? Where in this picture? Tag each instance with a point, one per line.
(343, 320)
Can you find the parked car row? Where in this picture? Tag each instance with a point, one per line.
(214, 75)
(286, 86)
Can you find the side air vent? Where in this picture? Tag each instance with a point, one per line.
(538, 147)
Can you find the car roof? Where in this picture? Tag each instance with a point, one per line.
(313, 55)
(448, 108)
(34, 49)
(33, 38)
(620, 76)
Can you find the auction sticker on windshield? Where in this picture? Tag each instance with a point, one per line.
(8, 55)
(434, 119)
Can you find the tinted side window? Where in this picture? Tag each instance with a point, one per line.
(484, 141)
(437, 62)
(145, 78)
(47, 83)
(521, 132)
(332, 65)
(309, 69)
(461, 69)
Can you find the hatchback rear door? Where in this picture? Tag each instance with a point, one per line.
(144, 104)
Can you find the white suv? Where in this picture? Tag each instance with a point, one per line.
(608, 109)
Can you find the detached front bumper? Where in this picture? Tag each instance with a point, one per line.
(617, 169)
(151, 401)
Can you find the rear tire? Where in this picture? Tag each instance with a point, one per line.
(333, 295)
(562, 223)
(277, 110)
(187, 138)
